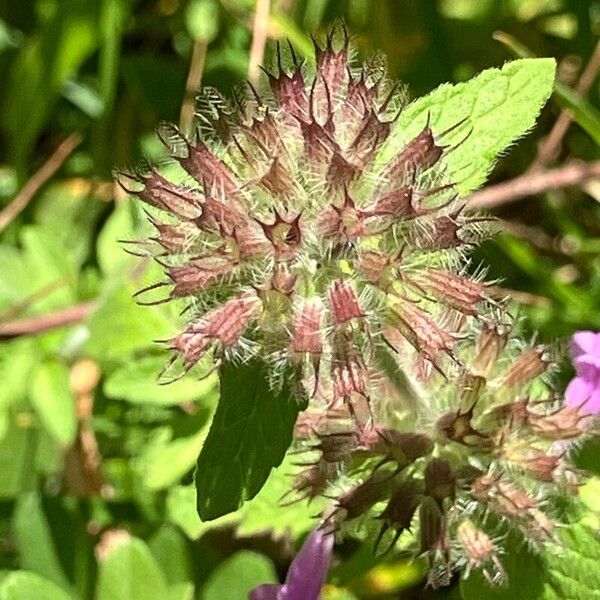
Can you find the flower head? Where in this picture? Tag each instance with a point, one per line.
(292, 237)
(299, 230)
(584, 390)
(307, 573)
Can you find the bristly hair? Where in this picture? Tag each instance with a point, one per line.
(299, 233)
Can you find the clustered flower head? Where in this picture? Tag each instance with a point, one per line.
(300, 233)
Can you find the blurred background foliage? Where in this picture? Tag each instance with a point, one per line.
(96, 460)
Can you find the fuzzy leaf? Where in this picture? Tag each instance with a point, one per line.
(249, 435)
(500, 106)
(573, 565)
(567, 569)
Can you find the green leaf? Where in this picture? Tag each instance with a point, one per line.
(266, 513)
(119, 327)
(53, 401)
(249, 435)
(23, 585)
(45, 61)
(120, 226)
(584, 114)
(164, 464)
(235, 577)
(130, 572)
(17, 456)
(263, 513)
(181, 591)
(525, 573)
(40, 269)
(169, 548)
(17, 361)
(37, 552)
(136, 382)
(69, 214)
(500, 106)
(572, 566)
(181, 511)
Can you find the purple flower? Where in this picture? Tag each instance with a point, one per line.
(584, 389)
(307, 572)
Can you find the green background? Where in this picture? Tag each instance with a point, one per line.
(111, 71)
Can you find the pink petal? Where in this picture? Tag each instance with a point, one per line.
(587, 363)
(592, 406)
(585, 342)
(578, 391)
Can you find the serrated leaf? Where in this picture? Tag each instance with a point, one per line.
(572, 566)
(23, 585)
(136, 382)
(129, 572)
(249, 435)
(500, 106)
(525, 572)
(235, 577)
(53, 401)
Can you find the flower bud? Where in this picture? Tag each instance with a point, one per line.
(401, 447)
(440, 481)
(532, 363)
(400, 509)
(312, 482)
(344, 304)
(457, 427)
(420, 329)
(458, 292)
(479, 549)
(563, 424)
(360, 498)
(338, 447)
(224, 325)
(488, 348)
